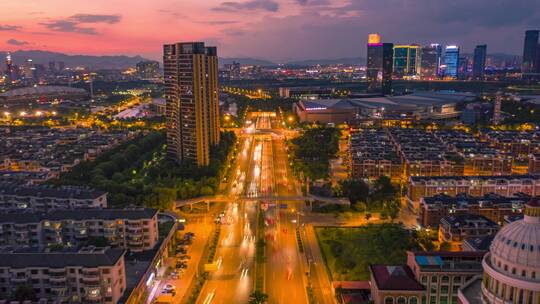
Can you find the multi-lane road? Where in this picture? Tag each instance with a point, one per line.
(261, 170)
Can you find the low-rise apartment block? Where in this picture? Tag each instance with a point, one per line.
(54, 149)
(374, 155)
(455, 229)
(422, 186)
(424, 154)
(492, 206)
(45, 198)
(479, 157)
(534, 164)
(134, 229)
(91, 275)
(519, 144)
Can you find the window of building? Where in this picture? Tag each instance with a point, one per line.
(444, 300)
(434, 279)
(389, 300)
(413, 300)
(444, 279)
(457, 280)
(433, 300)
(444, 289)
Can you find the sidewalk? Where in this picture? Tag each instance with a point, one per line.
(321, 285)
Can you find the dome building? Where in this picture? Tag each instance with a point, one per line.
(512, 267)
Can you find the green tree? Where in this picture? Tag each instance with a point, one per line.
(445, 246)
(258, 297)
(24, 293)
(355, 190)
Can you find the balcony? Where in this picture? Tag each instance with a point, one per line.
(90, 281)
(57, 280)
(19, 280)
(58, 291)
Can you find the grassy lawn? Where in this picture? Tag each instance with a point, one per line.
(349, 251)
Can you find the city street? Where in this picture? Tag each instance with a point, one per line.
(261, 170)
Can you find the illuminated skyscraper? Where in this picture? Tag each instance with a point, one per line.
(479, 62)
(379, 65)
(531, 63)
(406, 60)
(451, 61)
(212, 94)
(192, 101)
(431, 61)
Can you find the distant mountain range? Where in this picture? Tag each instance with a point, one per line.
(123, 62)
(246, 61)
(309, 62)
(88, 61)
(344, 61)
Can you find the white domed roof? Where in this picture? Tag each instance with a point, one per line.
(519, 242)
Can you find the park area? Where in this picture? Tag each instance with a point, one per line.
(348, 252)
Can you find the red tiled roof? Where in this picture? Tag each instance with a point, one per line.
(400, 277)
(352, 284)
(449, 253)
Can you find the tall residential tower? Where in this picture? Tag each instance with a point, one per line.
(191, 93)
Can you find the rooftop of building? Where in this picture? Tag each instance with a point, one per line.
(468, 221)
(449, 261)
(471, 292)
(86, 257)
(65, 192)
(401, 102)
(78, 215)
(479, 243)
(42, 90)
(395, 277)
(502, 178)
(466, 201)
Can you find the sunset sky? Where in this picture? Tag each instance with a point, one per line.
(278, 30)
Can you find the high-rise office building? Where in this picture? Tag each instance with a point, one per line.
(479, 61)
(406, 60)
(431, 61)
(463, 68)
(9, 68)
(61, 66)
(379, 65)
(530, 64)
(191, 96)
(451, 61)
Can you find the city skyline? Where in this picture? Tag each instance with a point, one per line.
(258, 28)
